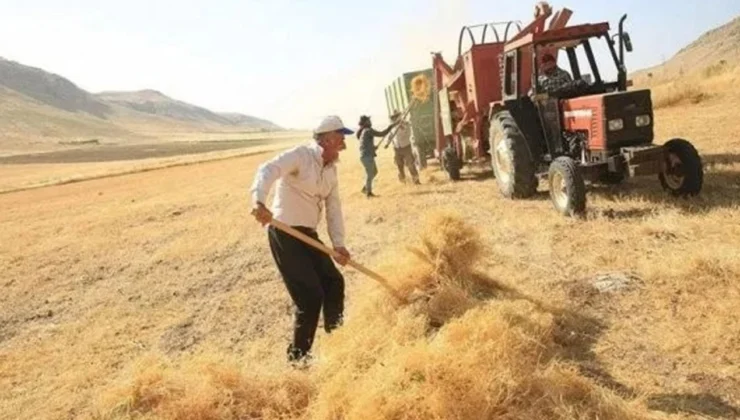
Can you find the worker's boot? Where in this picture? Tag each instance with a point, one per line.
(303, 363)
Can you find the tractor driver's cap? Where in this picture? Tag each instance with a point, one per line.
(332, 123)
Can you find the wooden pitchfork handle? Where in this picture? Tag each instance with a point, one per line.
(321, 247)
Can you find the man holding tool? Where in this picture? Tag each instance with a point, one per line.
(367, 135)
(306, 178)
(402, 143)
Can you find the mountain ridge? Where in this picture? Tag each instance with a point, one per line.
(39, 105)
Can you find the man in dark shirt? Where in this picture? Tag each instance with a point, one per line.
(552, 77)
(367, 135)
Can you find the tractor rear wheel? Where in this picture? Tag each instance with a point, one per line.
(684, 174)
(567, 187)
(512, 165)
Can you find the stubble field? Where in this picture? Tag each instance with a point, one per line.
(103, 275)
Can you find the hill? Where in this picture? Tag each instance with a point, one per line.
(249, 121)
(718, 47)
(50, 89)
(41, 109)
(156, 103)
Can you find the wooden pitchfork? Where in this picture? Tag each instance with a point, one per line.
(401, 118)
(321, 247)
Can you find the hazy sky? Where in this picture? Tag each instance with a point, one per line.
(294, 61)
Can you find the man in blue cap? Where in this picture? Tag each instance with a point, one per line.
(306, 182)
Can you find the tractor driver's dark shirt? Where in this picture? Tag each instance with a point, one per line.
(554, 81)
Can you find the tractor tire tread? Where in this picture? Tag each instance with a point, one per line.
(575, 186)
(524, 178)
(694, 179)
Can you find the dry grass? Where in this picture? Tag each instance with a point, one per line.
(489, 359)
(100, 275)
(679, 93)
(709, 83)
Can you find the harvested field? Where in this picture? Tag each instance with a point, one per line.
(109, 153)
(153, 295)
(21, 172)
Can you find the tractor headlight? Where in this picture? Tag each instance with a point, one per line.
(642, 120)
(616, 124)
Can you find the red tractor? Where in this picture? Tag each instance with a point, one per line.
(496, 104)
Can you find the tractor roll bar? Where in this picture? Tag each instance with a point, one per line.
(485, 27)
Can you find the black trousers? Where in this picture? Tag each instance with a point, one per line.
(313, 282)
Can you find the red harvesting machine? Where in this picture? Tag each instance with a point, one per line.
(494, 106)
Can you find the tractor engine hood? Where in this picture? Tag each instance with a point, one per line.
(628, 118)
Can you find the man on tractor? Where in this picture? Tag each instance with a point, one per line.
(552, 77)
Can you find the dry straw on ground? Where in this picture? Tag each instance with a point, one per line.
(486, 355)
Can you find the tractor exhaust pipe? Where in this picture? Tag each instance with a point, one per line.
(621, 38)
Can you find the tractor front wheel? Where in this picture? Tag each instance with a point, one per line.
(512, 165)
(567, 187)
(683, 174)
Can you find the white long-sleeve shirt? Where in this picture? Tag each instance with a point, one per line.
(304, 186)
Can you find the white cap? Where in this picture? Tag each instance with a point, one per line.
(332, 123)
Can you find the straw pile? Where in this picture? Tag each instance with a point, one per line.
(488, 354)
(439, 274)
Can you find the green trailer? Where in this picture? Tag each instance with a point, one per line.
(421, 117)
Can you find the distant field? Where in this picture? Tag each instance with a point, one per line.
(24, 171)
(110, 153)
(12, 144)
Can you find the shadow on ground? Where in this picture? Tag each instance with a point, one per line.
(721, 190)
(712, 159)
(575, 335)
(703, 404)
